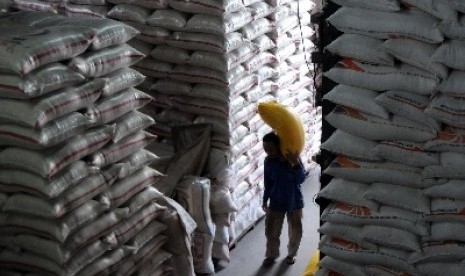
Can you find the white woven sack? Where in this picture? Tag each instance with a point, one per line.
(357, 98)
(170, 54)
(73, 197)
(221, 251)
(202, 23)
(120, 80)
(207, 6)
(382, 78)
(179, 244)
(221, 201)
(141, 199)
(454, 29)
(141, 46)
(200, 106)
(202, 253)
(194, 195)
(156, 266)
(96, 229)
(111, 108)
(416, 53)
(451, 54)
(130, 164)
(106, 263)
(408, 153)
(154, 68)
(341, 267)
(442, 251)
(453, 85)
(133, 262)
(375, 128)
(43, 265)
(128, 12)
(440, 267)
(384, 172)
(351, 252)
(168, 19)
(130, 123)
(446, 210)
(50, 135)
(108, 32)
(155, 229)
(391, 237)
(258, 61)
(158, 4)
(124, 189)
(447, 109)
(410, 106)
(247, 143)
(379, 5)
(39, 82)
(113, 153)
(34, 6)
(360, 47)
(86, 11)
(449, 166)
(22, 181)
(150, 34)
(260, 10)
(58, 253)
(264, 42)
(438, 8)
(407, 198)
(221, 62)
(348, 192)
(447, 231)
(256, 28)
(206, 42)
(58, 230)
(193, 74)
(136, 223)
(384, 25)
(453, 188)
(302, 7)
(346, 232)
(89, 2)
(42, 110)
(105, 61)
(343, 143)
(49, 163)
(448, 142)
(378, 270)
(27, 18)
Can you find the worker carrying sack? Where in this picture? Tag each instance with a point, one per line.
(287, 124)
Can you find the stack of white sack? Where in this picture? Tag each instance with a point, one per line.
(397, 141)
(75, 185)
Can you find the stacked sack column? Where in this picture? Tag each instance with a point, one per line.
(390, 142)
(293, 83)
(75, 185)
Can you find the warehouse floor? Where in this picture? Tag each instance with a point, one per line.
(248, 254)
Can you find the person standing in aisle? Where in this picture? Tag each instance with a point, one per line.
(282, 197)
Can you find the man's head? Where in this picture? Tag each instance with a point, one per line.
(271, 144)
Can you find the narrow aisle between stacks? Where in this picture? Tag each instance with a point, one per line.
(248, 254)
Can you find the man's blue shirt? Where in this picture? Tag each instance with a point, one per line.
(283, 185)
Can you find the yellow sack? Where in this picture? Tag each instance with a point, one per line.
(287, 124)
(313, 265)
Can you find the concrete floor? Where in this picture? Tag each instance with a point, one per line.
(248, 254)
